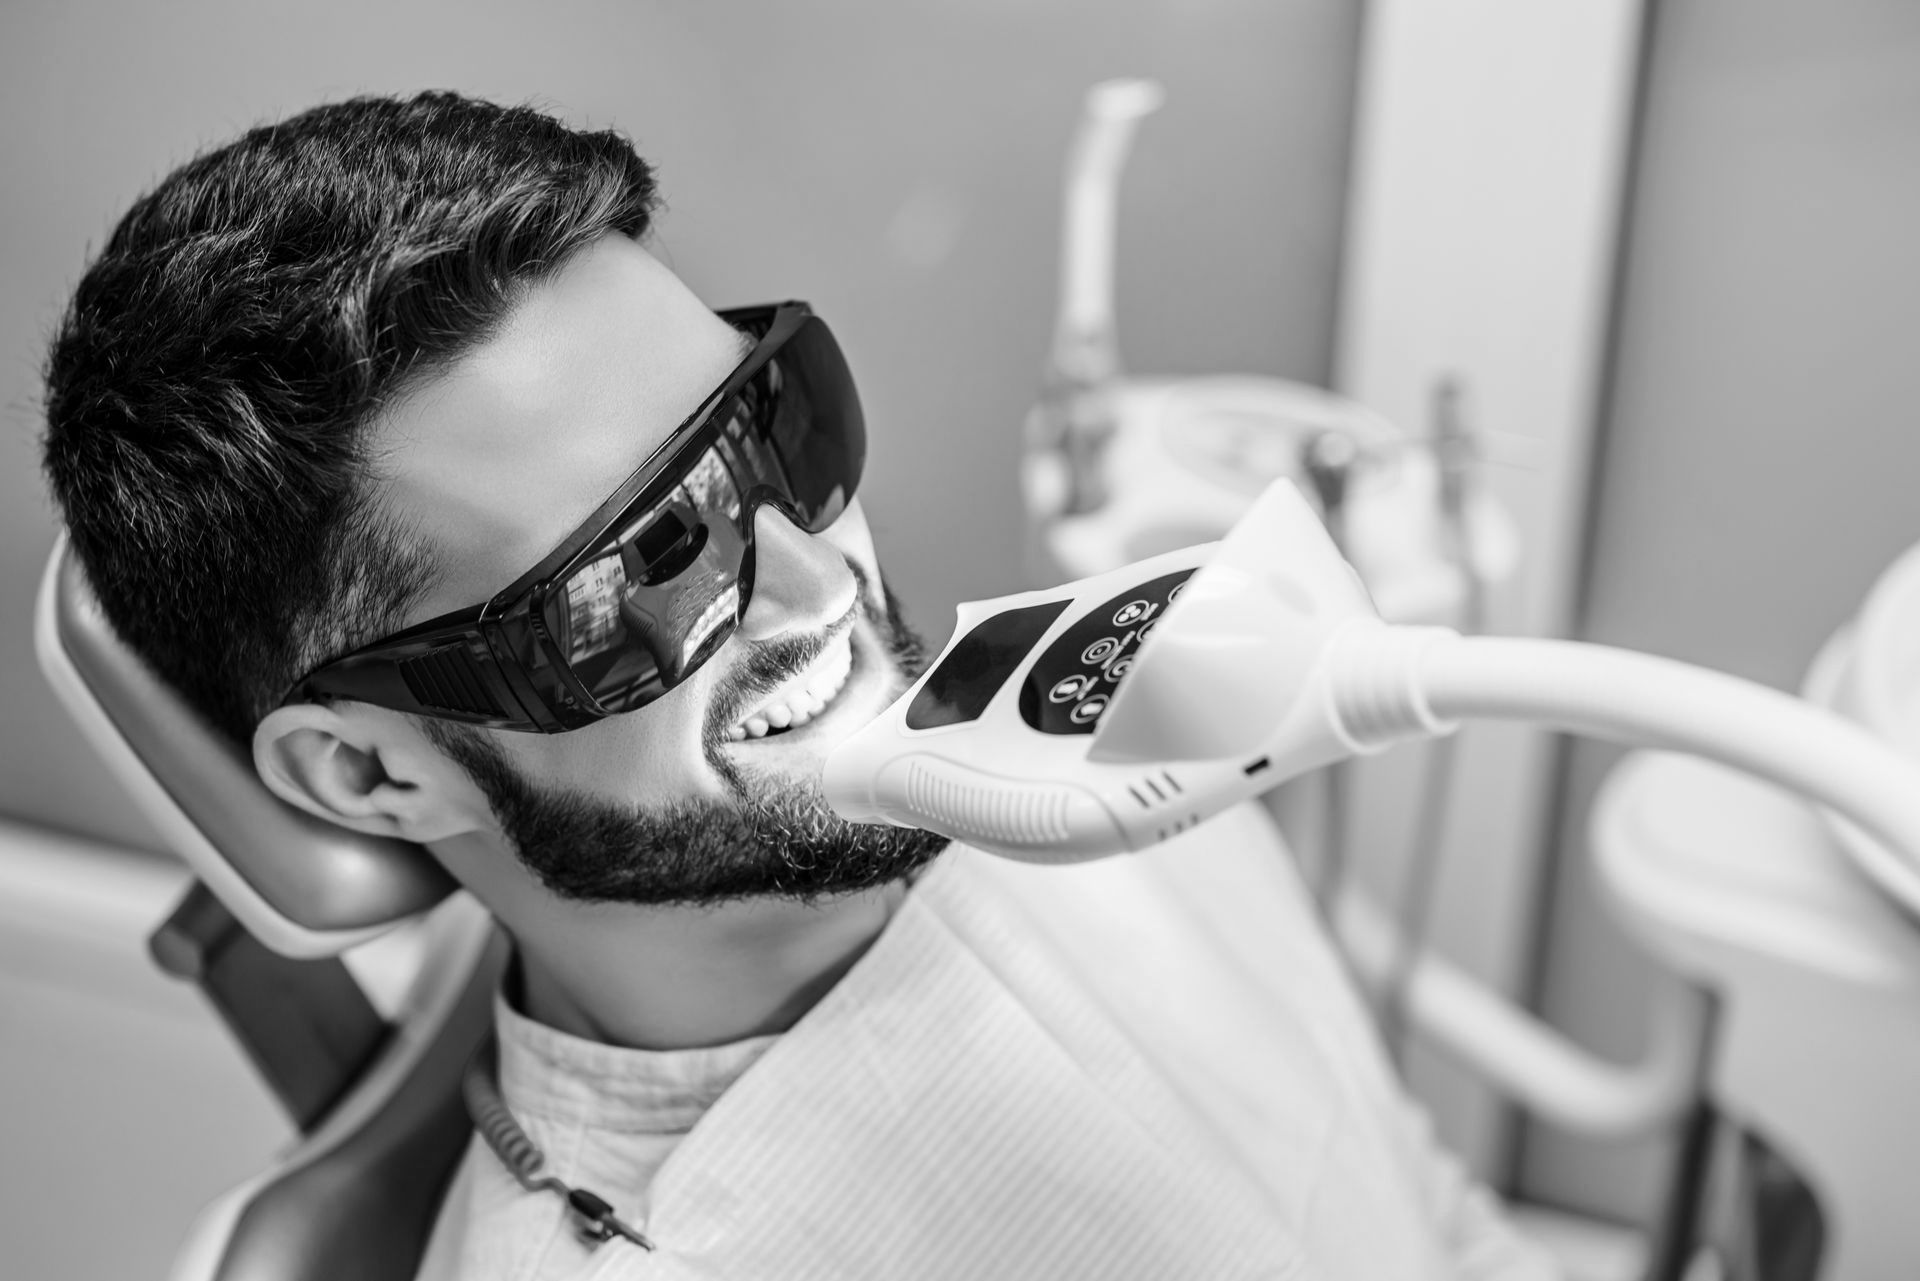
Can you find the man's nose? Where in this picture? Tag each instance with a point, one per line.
(801, 582)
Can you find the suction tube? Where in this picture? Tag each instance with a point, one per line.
(1069, 428)
(1085, 346)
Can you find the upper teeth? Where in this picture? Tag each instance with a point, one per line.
(803, 697)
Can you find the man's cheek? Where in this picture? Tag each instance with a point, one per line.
(854, 538)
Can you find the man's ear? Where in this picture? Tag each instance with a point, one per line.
(371, 773)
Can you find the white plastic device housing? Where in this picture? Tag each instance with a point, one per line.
(1271, 661)
(1229, 692)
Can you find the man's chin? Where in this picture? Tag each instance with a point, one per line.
(786, 843)
(773, 837)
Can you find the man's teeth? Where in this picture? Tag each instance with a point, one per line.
(800, 700)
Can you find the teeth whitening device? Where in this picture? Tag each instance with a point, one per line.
(1108, 714)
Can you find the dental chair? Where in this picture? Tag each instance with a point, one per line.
(1807, 933)
(353, 975)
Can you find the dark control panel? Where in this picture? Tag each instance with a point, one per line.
(1072, 683)
(974, 670)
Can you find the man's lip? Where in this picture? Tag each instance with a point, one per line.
(831, 668)
(858, 670)
(740, 708)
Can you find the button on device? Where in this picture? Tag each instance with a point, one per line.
(1058, 695)
(1087, 711)
(1069, 689)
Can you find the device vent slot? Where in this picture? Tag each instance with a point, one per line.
(446, 678)
(1010, 815)
(1149, 792)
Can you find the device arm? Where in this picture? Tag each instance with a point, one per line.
(1387, 684)
(1643, 701)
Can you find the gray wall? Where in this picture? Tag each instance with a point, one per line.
(1762, 451)
(895, 162)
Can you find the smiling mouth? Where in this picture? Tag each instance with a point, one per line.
(801, 697)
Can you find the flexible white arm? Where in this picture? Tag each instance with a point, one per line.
(1387, 683)
(1274, 651)
(1640, 700)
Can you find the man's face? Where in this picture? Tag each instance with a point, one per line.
(700, 795)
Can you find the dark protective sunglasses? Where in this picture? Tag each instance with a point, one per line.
(654, 582)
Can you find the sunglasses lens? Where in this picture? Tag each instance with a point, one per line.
(587, 623)
(815, 425)
(633, 623)
(672, 583)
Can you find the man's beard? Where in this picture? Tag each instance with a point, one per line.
(768, 837)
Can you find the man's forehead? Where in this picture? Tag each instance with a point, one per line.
(498, 457)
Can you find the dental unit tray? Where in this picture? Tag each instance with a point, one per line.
(1111, 713)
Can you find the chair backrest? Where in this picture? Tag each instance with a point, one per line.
(358, 1194)
(302, 886)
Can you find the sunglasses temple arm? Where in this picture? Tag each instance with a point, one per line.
(449, 673)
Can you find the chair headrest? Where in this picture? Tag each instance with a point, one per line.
(301, 885)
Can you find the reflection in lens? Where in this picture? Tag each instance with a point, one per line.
(593, 608)
(707, 629)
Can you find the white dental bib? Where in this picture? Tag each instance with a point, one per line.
(1147, 1067)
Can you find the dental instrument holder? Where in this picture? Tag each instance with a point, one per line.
(1110, 714)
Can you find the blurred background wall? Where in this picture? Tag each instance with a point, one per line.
(896, 162)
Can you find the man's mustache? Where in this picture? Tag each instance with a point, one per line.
(767, 666)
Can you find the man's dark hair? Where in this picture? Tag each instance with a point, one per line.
(209, 389)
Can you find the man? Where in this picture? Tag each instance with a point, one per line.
(330, 390)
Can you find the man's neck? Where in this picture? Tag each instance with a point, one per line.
(684, 977)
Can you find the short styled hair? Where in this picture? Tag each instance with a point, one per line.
(209, 388)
